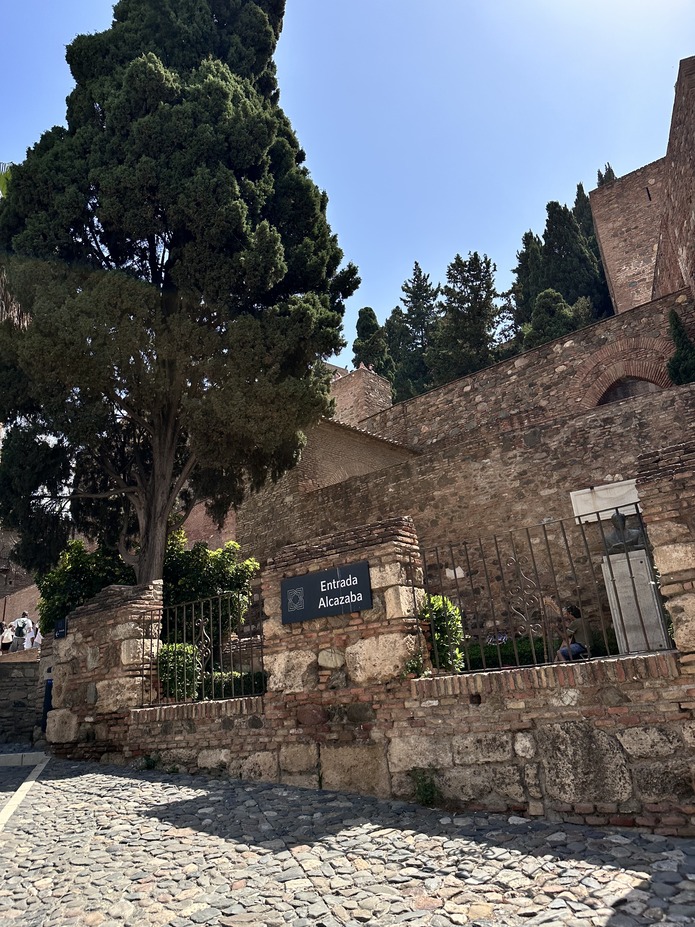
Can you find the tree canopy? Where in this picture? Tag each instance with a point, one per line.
(173, 256)
(371, 346)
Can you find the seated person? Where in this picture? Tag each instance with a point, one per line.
(575, 633)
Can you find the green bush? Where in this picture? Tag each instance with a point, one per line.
(220, 685)
(487, 656)
(189, 575)
(445, 620)
(180, 671)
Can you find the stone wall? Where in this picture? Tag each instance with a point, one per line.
(359, 394)
(553, 381)
(605, 742)
(101, 668)
(675, 263)
(481, 484)
(627, 217)
(21, 696)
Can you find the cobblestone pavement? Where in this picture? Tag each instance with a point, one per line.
(97, 846)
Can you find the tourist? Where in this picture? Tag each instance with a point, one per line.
(6, 639)
(20, 627)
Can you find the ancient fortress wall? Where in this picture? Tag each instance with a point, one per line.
(552, 381)
(675, 265)
(627, 217)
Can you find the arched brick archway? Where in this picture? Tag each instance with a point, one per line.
(642, 357)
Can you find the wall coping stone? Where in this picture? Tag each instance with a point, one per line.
(224, 708)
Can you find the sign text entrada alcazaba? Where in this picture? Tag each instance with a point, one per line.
(339, 591)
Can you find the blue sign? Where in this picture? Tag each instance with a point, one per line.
(61, 628)
(328, 592)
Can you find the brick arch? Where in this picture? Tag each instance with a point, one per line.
(639, 356)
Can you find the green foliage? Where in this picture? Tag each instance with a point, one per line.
(528, 273)
(446, 623)
(427, 792)
(508, 653)
(219, 685)
(607, 175)
(462, 338)
(409, 331)
(189, 575)
(681, 367)
(551, 318)
(180, 671)
(371, 346)
(181, 278)
(200, 573)
(79, 575)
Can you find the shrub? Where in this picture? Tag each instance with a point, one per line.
(180, 671)
(446, 623)
(218, 685)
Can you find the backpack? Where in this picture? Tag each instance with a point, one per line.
(19, 628)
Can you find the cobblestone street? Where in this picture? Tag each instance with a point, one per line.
(95, 846)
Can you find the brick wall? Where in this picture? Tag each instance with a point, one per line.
(335, 453)
(627, 217)
(549, 382)
(484, 483)
(359, 394)
(675, 264)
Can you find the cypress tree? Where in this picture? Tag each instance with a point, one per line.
(552, 318)
(181, 279)
(371, 347)
(408, 332)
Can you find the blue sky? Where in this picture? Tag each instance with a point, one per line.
(435, 126)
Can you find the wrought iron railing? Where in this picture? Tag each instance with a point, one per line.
(210, 649)
(498, 602)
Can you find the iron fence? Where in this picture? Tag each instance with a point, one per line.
(210, 649)
(500, 601)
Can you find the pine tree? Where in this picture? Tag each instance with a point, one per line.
(408, 332)
(181, 279)
(462, 340)
(371, 347)
(681, 367)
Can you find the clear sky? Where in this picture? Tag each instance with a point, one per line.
(435, 126)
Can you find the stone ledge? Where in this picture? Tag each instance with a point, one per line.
(198, 710)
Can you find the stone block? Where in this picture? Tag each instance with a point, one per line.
(581, 763)
(402, 602)
(405, 753)
(214, 759)
(261, 766)
(390, 574)
(293, 671)
(132, 653)
(665, 781)
(298, 758)
(118, 694)
(91, 658)
(524, 745)
(682, 611)
(379, 659)
(301, 780)
(311, 715)
(62, 727)
(331, 659)
(493, 784)
(356, 768)
(646, 742)
(671, 558)
(482, 748)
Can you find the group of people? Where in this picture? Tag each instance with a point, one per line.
(20, 634)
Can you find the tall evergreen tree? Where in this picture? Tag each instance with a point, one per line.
(181, 279)
(408, 332)
(607, 175)
(371, 347)
(462, 340)
(529, 275)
